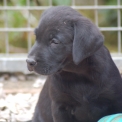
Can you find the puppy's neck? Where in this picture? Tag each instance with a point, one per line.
(81, 68)
(87, 68)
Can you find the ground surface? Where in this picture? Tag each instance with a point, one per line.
(18, 99)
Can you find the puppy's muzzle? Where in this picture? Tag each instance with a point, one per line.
(31, 63)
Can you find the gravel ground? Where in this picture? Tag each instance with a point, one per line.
(17, 107)
(18, 99)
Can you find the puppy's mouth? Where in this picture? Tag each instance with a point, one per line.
(30, 68)
(47, 70)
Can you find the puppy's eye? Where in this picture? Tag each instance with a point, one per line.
(55, 41)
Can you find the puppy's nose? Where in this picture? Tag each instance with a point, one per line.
(31, 62)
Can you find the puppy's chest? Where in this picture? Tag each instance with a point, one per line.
(72, 91)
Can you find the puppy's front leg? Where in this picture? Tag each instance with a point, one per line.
(60, 113)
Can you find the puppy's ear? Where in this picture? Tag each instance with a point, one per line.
(87, 39)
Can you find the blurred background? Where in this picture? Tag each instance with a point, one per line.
(18, 18)
(23, 15)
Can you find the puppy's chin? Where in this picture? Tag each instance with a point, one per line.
(47, 72)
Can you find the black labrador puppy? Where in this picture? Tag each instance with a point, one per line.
(83, 82)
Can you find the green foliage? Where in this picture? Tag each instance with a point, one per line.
(39, 2)
(61, 2)
(18, 42)
(111, 40)
(110, 2)
(16, 2)
(16, 19)
(2, 17)
(2, 42)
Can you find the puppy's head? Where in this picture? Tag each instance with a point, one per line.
(62, 32)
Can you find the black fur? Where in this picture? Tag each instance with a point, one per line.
(83, 82)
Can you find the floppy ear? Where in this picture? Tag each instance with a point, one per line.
(87, 39)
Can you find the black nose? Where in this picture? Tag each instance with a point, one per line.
(31, 62)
